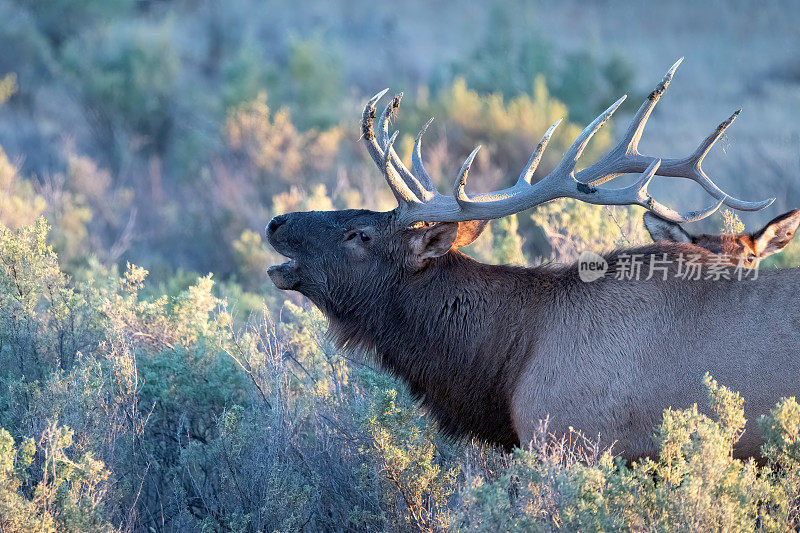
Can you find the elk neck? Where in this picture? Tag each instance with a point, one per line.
(458, 333)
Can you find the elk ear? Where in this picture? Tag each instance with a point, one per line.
(469, 231)
(776, 234)
(435, 240)
(664, 230)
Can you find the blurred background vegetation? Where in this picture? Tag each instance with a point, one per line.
(151, 378)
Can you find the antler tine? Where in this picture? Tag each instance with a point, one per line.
(641, 197)
(383, 133)
(368, 131)
(383, 123)
(461, 182)
(629, 144)
(691, 167)
(567, 164)
(645, 200)
(630, 141)
(690, 216)
(377, 142)
(527, 173)
(399, 187)
(705, 146)
(416, 160)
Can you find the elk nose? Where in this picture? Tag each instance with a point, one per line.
(276, 223)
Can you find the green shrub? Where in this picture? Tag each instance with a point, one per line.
(43, 489)
(314, 85)
(59, 20)
(129, 75)
(586, 83)
(45, 321)
(694, 483)
(272, 143)
(19, 203)
(416, 481)
(244, 77)
(8, 86)
(175, 416)
(572, 227)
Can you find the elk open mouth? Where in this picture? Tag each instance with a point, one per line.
(285, 275)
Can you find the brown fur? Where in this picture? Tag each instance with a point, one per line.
(441, 339)
(747, 249)
(491, 350)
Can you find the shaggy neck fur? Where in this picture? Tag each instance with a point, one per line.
(439, 331)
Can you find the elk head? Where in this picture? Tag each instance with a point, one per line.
(342, 259)
(347, 255)
(746, 250)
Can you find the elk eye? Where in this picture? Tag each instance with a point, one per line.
(360, 234)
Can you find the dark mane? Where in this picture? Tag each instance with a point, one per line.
(439, 339)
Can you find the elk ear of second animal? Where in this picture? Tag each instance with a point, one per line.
(776, 234)
(664, 230)
(434, 241)
(469, 231)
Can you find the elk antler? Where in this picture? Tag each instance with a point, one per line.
(419, 200)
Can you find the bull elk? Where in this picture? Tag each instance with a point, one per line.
(747, 250)
(492, 350)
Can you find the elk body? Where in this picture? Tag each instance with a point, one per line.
(492, 350)
(747, 250)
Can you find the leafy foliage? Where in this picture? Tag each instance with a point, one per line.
(135, 408)
(416, 486)
(695, 483)
(19, 203)
(580, 79)
(65, 494)
(131, 77)
(571, 227)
